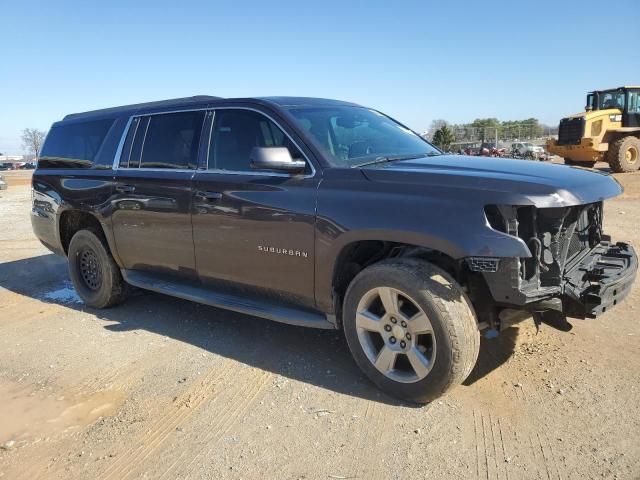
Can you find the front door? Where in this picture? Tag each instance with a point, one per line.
(153, 193)
(254, 229)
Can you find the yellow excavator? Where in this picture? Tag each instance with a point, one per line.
(608, 131)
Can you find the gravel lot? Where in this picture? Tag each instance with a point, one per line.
(164, 388)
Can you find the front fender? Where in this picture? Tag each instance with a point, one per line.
(349, 212)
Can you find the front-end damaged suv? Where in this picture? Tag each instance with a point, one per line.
(326, 214)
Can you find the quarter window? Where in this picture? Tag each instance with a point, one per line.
(236, 132)
(168, 140)
(74, 145)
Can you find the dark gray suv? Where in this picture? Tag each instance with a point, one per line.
(326, 214)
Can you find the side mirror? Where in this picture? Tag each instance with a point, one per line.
(275, 158)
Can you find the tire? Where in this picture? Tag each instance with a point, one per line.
(95, 275)
(574, 163)
(624, 155)
(444, 339)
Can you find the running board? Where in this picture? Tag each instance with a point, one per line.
(228, 301)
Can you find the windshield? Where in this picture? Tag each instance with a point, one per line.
(352, 136)
(611, 99)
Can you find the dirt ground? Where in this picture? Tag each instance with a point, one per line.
(164, 388)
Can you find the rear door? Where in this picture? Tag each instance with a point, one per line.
(152, 199)
(254, 229)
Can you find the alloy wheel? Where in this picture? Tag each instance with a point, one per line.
(395, 335)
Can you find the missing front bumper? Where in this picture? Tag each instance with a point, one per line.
(599, 280)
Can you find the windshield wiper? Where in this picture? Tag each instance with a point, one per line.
(395, 158)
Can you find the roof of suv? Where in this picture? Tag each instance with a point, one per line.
(283, 102)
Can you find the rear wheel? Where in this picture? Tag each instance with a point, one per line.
(624, 155)
(95, 275)
(411, 329)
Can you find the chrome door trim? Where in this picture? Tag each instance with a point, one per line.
(118, 154)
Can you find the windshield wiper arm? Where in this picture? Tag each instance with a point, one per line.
(394, 159)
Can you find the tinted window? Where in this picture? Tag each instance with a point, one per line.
(170, 141)
(237, 132)
(74, 145)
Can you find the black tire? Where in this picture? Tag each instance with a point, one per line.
(453, 321)
(574, 163)
(95, 275)
(624, 155)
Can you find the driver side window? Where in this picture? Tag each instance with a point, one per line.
(236, 132)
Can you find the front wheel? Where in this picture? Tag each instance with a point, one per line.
(624, 155)
(411, 329)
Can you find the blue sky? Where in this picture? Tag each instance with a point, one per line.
(415, 60)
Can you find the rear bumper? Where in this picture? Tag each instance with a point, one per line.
(600, 280)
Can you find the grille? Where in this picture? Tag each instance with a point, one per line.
(575, 245)
(571, 131)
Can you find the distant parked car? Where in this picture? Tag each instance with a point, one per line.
(472, 151)
(527, 150)
(5, 166)
(29, 166)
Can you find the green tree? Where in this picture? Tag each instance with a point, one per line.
(486, 127)
(443, 138)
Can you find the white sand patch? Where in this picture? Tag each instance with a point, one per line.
(65, 294)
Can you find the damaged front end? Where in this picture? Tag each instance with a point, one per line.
(573, 267)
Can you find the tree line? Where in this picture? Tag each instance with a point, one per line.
(443, 134)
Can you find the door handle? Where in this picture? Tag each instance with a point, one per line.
(208, 196)
(125, 188)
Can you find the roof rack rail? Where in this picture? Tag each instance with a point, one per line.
(137, 106)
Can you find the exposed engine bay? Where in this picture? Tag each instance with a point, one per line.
(573, 267)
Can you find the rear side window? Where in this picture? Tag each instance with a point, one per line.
(74, 145)
(170, 141)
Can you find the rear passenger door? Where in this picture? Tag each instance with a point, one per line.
(152, 198)
(254, 228)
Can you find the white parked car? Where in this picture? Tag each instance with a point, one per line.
(526, 149)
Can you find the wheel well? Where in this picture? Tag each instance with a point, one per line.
(73, 221)
(356, 256)
(614, 136)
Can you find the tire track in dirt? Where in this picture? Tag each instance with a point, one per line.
(152, 440)
(505, 444)
(222, 422)
(120, 378)
(366, 460)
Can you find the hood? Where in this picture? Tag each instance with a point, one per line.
(499, 180)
